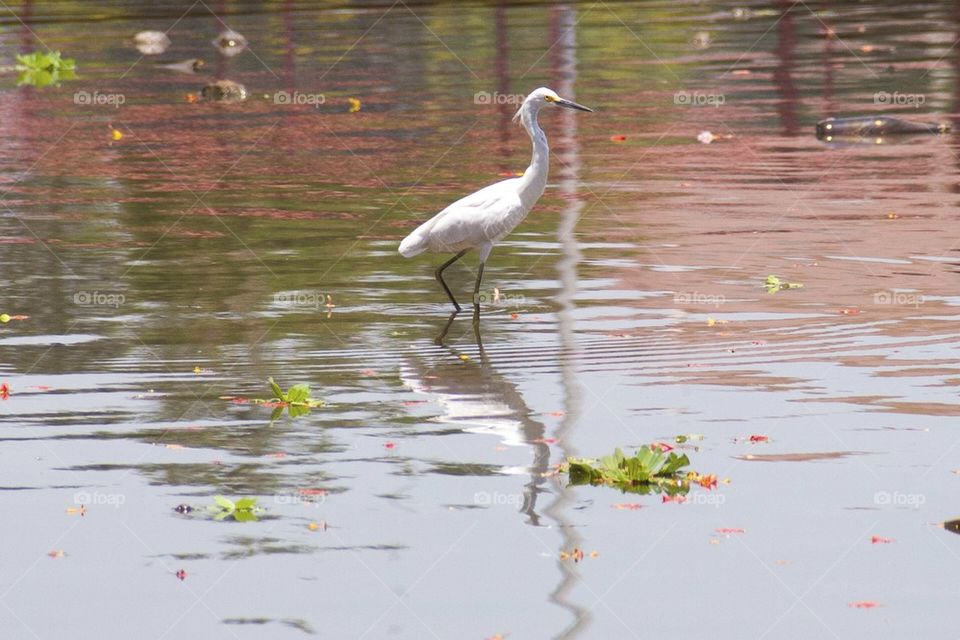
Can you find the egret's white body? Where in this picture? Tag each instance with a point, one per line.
(481, 219)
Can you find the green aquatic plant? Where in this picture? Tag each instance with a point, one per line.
(243, 510)
(649, 470)
(41, 69)
(296, 400)
(774, 284)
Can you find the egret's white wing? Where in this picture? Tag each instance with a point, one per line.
(481, 217)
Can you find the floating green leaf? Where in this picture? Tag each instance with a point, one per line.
(277, 391)
(41, 69)
(296, 400)
(243, 510)
(649, 470)
(774, 284)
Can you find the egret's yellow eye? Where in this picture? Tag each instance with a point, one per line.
(549, 98)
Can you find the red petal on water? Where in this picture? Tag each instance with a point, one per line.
(880, 540)
(864, 604)
(618, 138)
(410, 403)
(708, 481)
(677, 499)
(546, 441)
(4, 391)
(727, 531)
(389, 445)
(311, 492)
(662, 446)
(627, 506)
(758, 438)
(181, 574)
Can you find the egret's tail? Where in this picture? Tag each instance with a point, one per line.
(413, 244)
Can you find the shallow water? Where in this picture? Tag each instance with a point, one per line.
(192, 258)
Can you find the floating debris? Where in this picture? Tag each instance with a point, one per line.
(774, 284)
(576, 554)
(701, 40)
(874, 127)
(224, 91)
(151, 43)
(191, 66)
(230, 43)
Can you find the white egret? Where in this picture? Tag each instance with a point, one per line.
(481, 219)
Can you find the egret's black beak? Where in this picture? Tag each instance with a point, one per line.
(569, 104)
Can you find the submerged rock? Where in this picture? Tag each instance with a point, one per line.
(151, 43)
(224, 91)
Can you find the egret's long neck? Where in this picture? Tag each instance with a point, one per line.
(535, 177)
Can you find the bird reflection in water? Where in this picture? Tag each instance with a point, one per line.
(478, 399)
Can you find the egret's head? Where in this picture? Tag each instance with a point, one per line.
(543, 97)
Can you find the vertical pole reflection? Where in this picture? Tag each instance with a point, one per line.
(783, 74)
(502, 70)
(563, 70)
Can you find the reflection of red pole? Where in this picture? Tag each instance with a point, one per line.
(502, 71)
(27, 43)
(954, 116)
(221, 71)
(26, 35)
(828, 39)
(783, 74)
(289, 59)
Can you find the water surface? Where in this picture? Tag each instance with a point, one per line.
(214, 245)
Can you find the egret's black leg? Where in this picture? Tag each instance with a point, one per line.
(476, 333)
(439, 275)
(476, 294)
(446, 329)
